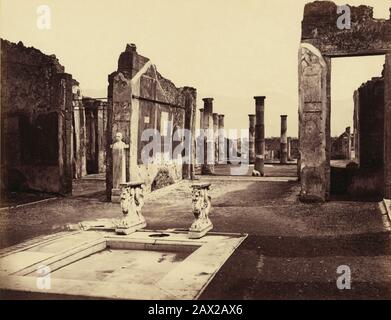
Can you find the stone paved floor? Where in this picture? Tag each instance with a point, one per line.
(293, 250)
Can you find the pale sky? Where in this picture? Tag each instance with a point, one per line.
(230, 50)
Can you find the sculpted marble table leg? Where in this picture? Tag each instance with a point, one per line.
(201, 209)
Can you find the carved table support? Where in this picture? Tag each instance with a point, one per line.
(201, 209)
(132, 201)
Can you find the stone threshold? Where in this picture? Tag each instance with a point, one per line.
(28, 204)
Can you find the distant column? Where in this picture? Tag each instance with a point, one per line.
(284, 140)
(289, 149)
(200, 139)
(251, 138)
(188, 169)
(208, 165)
(101, 136)
(260, 135)
(222, 141)
(216, 136)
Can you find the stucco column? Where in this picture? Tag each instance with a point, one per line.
(387, 128)
(216, 136)
(208, 165)
(284, 140)
(251, 138)
(260, 135)
(222, 141)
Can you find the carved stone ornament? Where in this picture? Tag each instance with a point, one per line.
(201, 202)
(132, 202)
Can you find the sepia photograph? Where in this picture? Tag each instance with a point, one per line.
(203, 151)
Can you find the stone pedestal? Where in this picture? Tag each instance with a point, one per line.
(201, 209)
(132, 201)
(259, 168)
(284, 140)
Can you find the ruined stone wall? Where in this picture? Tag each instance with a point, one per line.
(368, 178)
(36, 112)
(141, 98)
(321, 40)
(366, 35)
(371, 119)
(365, 178)
(274, 144)
(341, 146)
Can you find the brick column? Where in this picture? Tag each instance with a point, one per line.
(251, 138)
(260, 134)
(208, 165)
(284, 140)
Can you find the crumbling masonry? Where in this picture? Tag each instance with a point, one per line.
(322, 40)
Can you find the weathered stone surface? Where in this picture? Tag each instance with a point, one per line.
(341, 147)
(273, 148)
(322, 36)
(215, 118)
(366, 36)
(222, 141)
(139, 98)
(387, 128)
(251, 138)
(313, 114)
(95, 127)
(36, 112)
(190, 96)
(209, 143)
(259, 136)
(371, 119)
(284, 140)
(79, 134)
